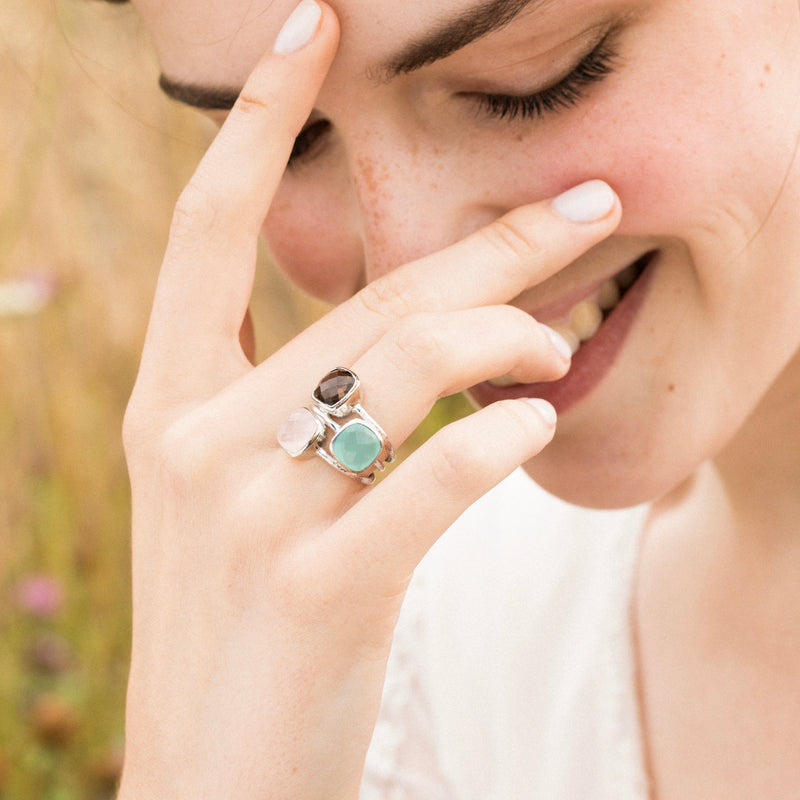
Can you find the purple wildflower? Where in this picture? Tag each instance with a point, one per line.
(39, 595)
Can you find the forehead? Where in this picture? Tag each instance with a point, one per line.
(219, 41)
(211, 37)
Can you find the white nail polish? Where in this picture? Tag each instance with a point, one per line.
(559, 342)
(299, 29)
(587, 202)
(546, 411)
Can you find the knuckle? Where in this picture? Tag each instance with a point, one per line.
(195, 212)
(248, 104)
(417, 344)
(510, 238)
(136, 427)
(185, 453)
(141, 420)
(519, 328)
(265, 101)
(455, 466)
(524, 424)
(386, 298)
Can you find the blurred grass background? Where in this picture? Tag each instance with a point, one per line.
(93, 158)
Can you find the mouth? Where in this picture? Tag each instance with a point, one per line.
(595, 326)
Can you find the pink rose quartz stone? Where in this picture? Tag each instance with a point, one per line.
(298, 434)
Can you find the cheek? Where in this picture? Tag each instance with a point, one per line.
(660, 175)
(692, 148)
(650, 168)
(661, 168)
(313, 242)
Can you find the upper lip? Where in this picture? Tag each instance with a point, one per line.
(564, 304)
(556, 296)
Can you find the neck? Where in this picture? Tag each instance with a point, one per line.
(732, 533)
(759, 470)
(717, 615)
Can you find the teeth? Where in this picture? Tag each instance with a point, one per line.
(609, 295)
(502, 381)
(585, 319)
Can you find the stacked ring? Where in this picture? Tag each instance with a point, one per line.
(338, 429)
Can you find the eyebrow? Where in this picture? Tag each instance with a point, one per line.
(449, 37)
(445, 39)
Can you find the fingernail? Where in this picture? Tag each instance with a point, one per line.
(299, 29)
(587, 202)
(559, 342)
(546, 411)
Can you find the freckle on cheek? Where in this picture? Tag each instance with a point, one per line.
(376, 198)
(366, 172)
(374, 183)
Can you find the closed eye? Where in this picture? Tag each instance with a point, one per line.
(567, 93)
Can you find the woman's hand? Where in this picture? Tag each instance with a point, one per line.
(266, 589)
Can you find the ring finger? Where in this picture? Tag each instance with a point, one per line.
(423, 357)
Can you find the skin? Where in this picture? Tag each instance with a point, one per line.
(697, 132)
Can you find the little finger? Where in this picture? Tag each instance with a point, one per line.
(385, 535)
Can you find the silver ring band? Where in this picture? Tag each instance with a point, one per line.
(338, 429)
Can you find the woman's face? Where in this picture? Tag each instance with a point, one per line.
(688, 108)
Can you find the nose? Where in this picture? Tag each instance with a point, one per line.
(414, 199)
(374, 201)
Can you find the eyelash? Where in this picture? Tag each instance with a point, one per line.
(567, 93)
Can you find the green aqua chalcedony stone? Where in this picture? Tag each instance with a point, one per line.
(356, 446)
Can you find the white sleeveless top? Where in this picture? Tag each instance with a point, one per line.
(512, 674)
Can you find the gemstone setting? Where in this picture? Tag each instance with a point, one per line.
(300, 433)
(356, 446)
(337, 390)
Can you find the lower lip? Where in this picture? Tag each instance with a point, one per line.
(592, 361)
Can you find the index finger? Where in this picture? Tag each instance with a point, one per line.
(207, 275)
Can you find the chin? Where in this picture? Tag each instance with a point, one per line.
(572, 472)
